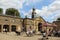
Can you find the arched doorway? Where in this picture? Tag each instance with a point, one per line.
(39, 26)
(13, 28)
(6, 27)
(0, 28)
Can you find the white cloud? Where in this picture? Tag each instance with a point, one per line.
(47, 11)
(11, 3)
(53, 8)
(32, 1)
(18, 4)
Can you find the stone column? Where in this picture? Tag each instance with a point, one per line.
(18, 28)
(2, 28)
(10, 28)
(36, 28)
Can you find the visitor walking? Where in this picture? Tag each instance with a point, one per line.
(6, 30)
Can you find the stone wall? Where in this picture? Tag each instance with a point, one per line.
(10, 21)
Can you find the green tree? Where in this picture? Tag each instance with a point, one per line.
(1, 11)
(58, 18)
(12, 12)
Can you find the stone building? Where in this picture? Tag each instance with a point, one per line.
(12, 23)
(58, 25)
(33, 23)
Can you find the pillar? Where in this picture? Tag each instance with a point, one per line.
(18, 28)
(36, 28)
(2, 28)
(10, 28)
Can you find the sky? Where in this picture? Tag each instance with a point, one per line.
(49, 10)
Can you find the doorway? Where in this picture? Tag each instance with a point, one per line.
(13, 28)
(39, 26)
(6, 27)
(0, 28)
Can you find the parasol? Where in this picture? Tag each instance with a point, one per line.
(49, 25)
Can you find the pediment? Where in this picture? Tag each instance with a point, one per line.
(38, 18)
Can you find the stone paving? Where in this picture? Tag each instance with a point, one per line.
(13, 36)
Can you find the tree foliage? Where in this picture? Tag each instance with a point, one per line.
(1, 11)
(58, 18)
(12, 12)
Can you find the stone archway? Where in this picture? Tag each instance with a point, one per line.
(39, 26)
(13, 28)
(0, 28)
(6, 27)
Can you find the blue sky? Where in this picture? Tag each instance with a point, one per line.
(37, 5)
(48, 9)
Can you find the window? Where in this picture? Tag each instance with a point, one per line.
(6, 19)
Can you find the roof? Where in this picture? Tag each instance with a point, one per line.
(39, 17)
(11, 16)
(21, 18)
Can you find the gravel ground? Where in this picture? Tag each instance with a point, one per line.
(13, 36)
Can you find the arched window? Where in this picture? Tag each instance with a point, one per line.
(6, 27)
(13, 28)
(39, 26)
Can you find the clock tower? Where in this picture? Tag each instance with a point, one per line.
(33, 13)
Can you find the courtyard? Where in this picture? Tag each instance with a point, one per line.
(13, 36)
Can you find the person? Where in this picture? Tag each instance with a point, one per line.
(31, 32)
(18, 32)
(28, 32)
(34, 31)
(49, 34)
(6, 31)
(59, 33)
(44, 34)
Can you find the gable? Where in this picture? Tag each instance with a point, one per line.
(40, 19)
